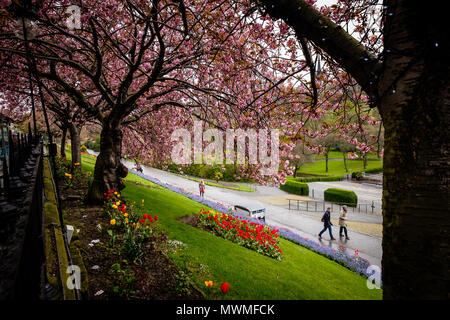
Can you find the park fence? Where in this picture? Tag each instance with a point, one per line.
(21, 206)
(321, 206)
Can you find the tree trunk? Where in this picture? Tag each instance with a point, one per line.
(109, 171)
(63, 142)
(295, 171)
(75, 143)
(345, 162)
(365, 160)
(416, 117)
(326, 162)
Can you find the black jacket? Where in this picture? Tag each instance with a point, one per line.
(326, 219)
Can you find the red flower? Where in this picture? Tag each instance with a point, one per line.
(225, 287)
(156, 218)
(145, 216)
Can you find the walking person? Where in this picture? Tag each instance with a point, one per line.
(201, 187)
(138, 166)
(343, 223)
(326, 219)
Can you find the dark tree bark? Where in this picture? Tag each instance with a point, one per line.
(411, 90)
(109, 171)
(416, 118)
(75, 143)
(326, 161)
(63, 142)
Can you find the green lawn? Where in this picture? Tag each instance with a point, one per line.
(336, 167)
(338, 155)
(302, 274)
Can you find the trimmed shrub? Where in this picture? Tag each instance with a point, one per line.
(94, 145)
(341, 196)
(314, 179)
(83, 148)
(296, 187)
(372, 170)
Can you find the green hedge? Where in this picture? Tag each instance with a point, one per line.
(295, 187)
(341, 196)
(208, 172)
(373, 170)
(314, 179)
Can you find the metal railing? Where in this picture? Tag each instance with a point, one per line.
(315, 206)
(21, 207)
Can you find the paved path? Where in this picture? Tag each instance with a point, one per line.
(369, 246)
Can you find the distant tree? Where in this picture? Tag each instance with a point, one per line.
(345, 148)
(301, 156)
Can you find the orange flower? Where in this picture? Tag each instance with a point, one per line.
(209, 284)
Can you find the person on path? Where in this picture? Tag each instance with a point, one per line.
(343, 223)
(201, 187)
(326, 219)
(138, 166)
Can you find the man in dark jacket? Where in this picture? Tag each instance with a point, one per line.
(326, 219)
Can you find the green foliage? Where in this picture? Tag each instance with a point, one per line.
(296, 187)
(83, 148)
(129, 224)
(93, 145)
(124, 281)
(314, 179)
(183, 284)
(371, 170)
(63, 166)
(209, 172)
(341, 196)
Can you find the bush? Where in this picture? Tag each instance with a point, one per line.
(314, 179)
(341, 196)
(296, 187)
(372, 170)
(83, 148)
(94, 145)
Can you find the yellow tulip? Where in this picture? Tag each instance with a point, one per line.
(114, 206)
(126, 220)
(113, 222)
(209, 284)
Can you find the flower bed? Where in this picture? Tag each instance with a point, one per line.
(129, 225)
(353, 262)
(251, 235)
